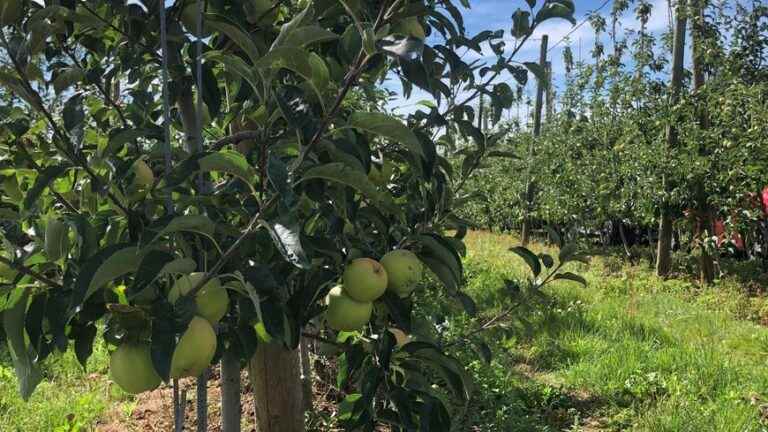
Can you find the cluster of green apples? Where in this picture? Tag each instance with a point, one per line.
(350, 305)
(131, 364)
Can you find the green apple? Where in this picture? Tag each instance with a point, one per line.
(195, 350)
(143, 175)
(56, 239)
(344, 313)
(364, 279)
(212, 300)
(11, 12)
(131, 368)
(404, 271)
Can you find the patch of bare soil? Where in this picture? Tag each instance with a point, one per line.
(153, 411)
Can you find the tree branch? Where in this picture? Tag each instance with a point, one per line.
(85, 6)
(235, 138)
(62, 136)
(29, 272)
(210, 274)
(59, 197)
(101, 89)
(349, 80)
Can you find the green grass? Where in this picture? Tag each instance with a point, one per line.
(69, 399)
(630, 351)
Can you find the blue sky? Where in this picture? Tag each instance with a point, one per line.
(496, 14)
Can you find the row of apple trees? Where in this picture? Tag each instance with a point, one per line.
(603, 155)
(146, 169)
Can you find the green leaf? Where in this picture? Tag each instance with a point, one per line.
(286, 235)
(225, 161)
(230, 162)
(292, 58)
(529, 257)
(547, 260)
(163, 338)
(309, 35)
(571, 277)
(192, 223)
(17, 87)
(157, 263)
(484, 350)
(43, 180)
(388, 127)
(108, 264)
(554, 237)
(443, 273)
(451, 370)
(434, 246)
(84, 337)
(556, 9)
(235, 65)
(470, 307)
(537, 71)
(521, 23)
(340, 173)
(124, 136)
(277, 174)
(67, 78)
(235, 34)
(566, 252)
(27, 371)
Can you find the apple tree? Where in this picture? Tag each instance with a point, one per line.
(201, 180)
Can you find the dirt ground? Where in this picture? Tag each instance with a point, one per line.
(153, 411)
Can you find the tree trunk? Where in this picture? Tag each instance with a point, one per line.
(704, 213)
(624, 241)
(664, 246)
(306, 373)
(530, 188)
(202, 402)
(276, 378)
(230, 392)
(664, 250)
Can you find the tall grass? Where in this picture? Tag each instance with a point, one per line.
(648, 354)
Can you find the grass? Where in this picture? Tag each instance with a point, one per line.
(628, 352)
(69, 398)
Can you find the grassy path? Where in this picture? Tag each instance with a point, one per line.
(629, 352)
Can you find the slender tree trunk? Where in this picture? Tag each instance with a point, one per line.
(704, 222)
(230, 392)
(179, 407)
(202, 402)
(275, 374)
(306, 373)
(664, 249)
(624, 241)
(530, 188)
(664, 245)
